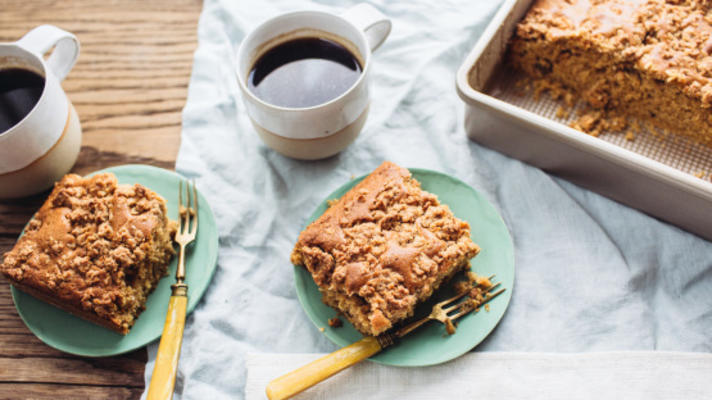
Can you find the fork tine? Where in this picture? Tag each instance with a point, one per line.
(180, 195)
(455, 306)
(188, 207)
(465, 311)
(437, 313)
(180, 207)
(457, 297)
(187, 195)
(195, 197)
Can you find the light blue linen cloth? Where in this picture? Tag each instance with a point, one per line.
(592, 275)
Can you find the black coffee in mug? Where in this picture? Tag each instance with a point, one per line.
(304, 72)
(20, 90)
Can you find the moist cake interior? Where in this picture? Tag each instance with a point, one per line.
(646, 59)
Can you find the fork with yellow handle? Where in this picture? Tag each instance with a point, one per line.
(309, 375)
(164, 372)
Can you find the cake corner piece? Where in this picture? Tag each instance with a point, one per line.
(95, 249)
(384, 247)
(649, 61)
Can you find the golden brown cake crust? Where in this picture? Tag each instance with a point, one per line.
(95, 248)
(383, 247)
(651, 59)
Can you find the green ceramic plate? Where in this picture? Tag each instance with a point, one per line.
(430, 344)
(71, 334)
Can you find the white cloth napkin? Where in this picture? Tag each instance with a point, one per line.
(511, 376)
(592, 275)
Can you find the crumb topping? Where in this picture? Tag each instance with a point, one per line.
(629, 61)
(669, 39)
(95, 245)
(382, 248)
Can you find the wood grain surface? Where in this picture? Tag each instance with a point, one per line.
(129, 87)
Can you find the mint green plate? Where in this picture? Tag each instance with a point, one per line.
(74, 335)
(430, 344)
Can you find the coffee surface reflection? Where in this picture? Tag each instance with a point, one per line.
(304, 72)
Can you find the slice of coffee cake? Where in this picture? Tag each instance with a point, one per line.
(95, 249)
(382, 248)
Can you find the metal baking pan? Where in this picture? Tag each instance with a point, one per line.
(665, 177)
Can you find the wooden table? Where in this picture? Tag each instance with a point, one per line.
(129, 87)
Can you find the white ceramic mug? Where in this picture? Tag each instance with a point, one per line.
(43, 146)
(320, 131)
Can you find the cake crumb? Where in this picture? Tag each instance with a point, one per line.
(461, 287)
(487, 308)
(562, 113)
(587, 123)
(321, 329)
(629, 136)
(700, 174)
(483, 281)
(476, 295)
(335, 322)
(449, 327)
(595, 122)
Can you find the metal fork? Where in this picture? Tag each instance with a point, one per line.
(441, 312)
(186, 232)
(164, 373)
(309, 375)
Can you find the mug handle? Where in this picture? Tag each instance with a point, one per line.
(372, 22)
(43, 38)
